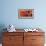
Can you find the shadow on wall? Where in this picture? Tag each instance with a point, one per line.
(2, 26)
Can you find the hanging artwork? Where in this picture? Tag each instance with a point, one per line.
(26, 13)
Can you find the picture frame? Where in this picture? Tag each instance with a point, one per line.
(26, 13)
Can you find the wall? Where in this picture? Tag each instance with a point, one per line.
(9, 13)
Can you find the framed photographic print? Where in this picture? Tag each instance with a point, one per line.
(26, 13)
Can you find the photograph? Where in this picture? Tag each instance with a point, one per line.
(26, 13)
